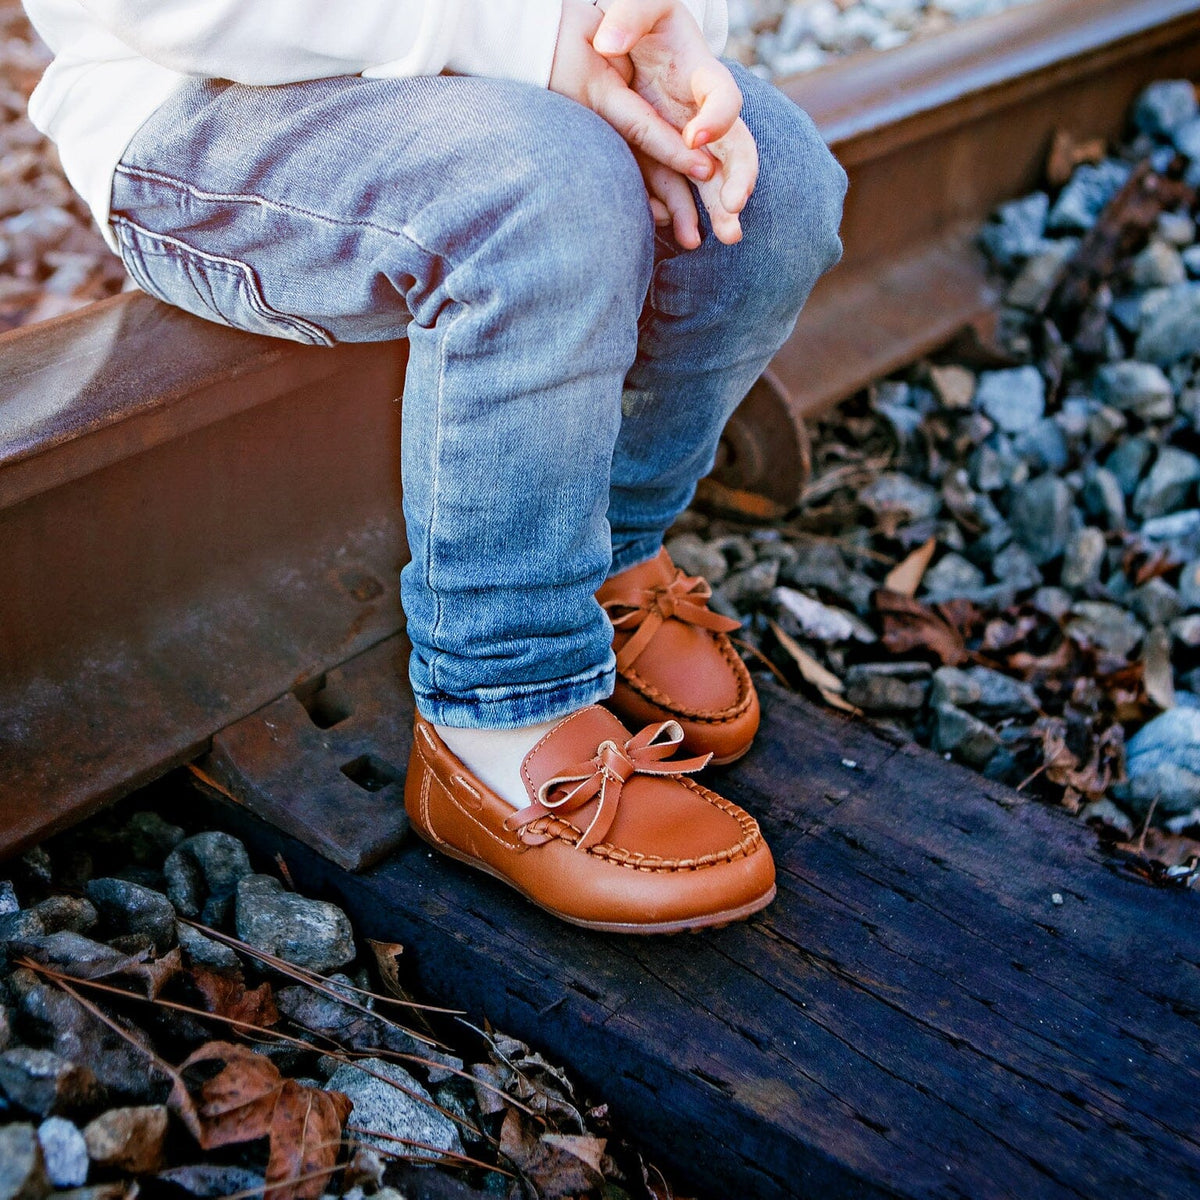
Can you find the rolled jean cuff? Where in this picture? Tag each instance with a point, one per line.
(515, 707)
(634, 553)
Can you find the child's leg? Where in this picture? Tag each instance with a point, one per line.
(512, 226)
(716, 316)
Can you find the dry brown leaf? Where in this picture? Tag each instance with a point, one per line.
(734, 502)
(1158, 677)
(236, 1104)
(825, 681)
(387, 959)
(905, 577)
(226, 995)
(558, 1165)
(306, 1135)
(909, 625)
(249, 1099)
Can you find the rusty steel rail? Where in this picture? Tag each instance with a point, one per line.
(195, 522)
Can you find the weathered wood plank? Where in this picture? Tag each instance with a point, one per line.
(912, 1017)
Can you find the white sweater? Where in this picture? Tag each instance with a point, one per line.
(116, 61)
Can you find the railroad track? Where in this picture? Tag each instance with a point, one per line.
(201, 532)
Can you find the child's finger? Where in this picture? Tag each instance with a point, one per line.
(637, 122)
(719, 103)
(626, 22)
(672, 190)
(738, 156)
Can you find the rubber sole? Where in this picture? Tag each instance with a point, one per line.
(692, 925)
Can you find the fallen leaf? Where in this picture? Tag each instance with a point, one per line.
(226, 995)
(825, 681)
(248, 1099)
(557, 1165)
(910, 625)
(387, 960)
(905, 577)
(306, 1137)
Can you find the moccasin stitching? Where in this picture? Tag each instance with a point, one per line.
(745, 697)
(507, 845)
(564, 830)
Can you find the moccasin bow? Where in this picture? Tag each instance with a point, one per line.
(685, 599)
(603, 777)
(675, 661)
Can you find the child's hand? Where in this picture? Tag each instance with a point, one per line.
(602, 84)
(674, 70)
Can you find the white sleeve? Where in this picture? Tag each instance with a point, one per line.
(284, 41)
(713, 18)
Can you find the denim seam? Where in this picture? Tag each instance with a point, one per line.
(254, 198)
(255, 301)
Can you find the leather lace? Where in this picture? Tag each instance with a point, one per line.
(603, 776)
(685, 598)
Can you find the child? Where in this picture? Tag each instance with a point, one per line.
(594, 235)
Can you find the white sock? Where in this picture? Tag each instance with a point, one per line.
(495, 755)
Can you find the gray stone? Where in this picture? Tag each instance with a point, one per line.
(1015, 567)
(22, 1169)
(1053, 602)
(401, 1108)
(1191, 261)
(817, 565)
(1043, 446)
(64, 1151)
(1178, 532)
(1103, 499)
(1187, 141)
(966, 737)
(1042, 518)
(72, 914)
(1176, 228)
(1156, 602)
(1189, 585)
(739, 551)
(887, 687)
(1016, 231)
(20, 926)
(1164, 106)
(1158, 265)
(206, 951)
(130, 908)
(953, 385)
(1187, 629)
(1107, 626)
(148, 838)
(955, 687)
(1173, 332)
(1128, 462)
(999, 695)
(6, 1033)
(1168, 484)
(751, 586)
(989, 470)
(43, 1083)
(308, 933)
(1081, 202)
(202, 875)
(8, 898)
(1163, 763)
(128, 1139)
(694, 556)
(1037, 279)
(1084, 558)
(821, 622)
(952, 575)
(1139, 387)
(894, 494)
(1015, 399)
(1106, 424)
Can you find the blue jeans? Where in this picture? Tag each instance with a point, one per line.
(570, 368)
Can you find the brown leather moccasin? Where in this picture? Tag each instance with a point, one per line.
(617, 838)
(675, 662)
